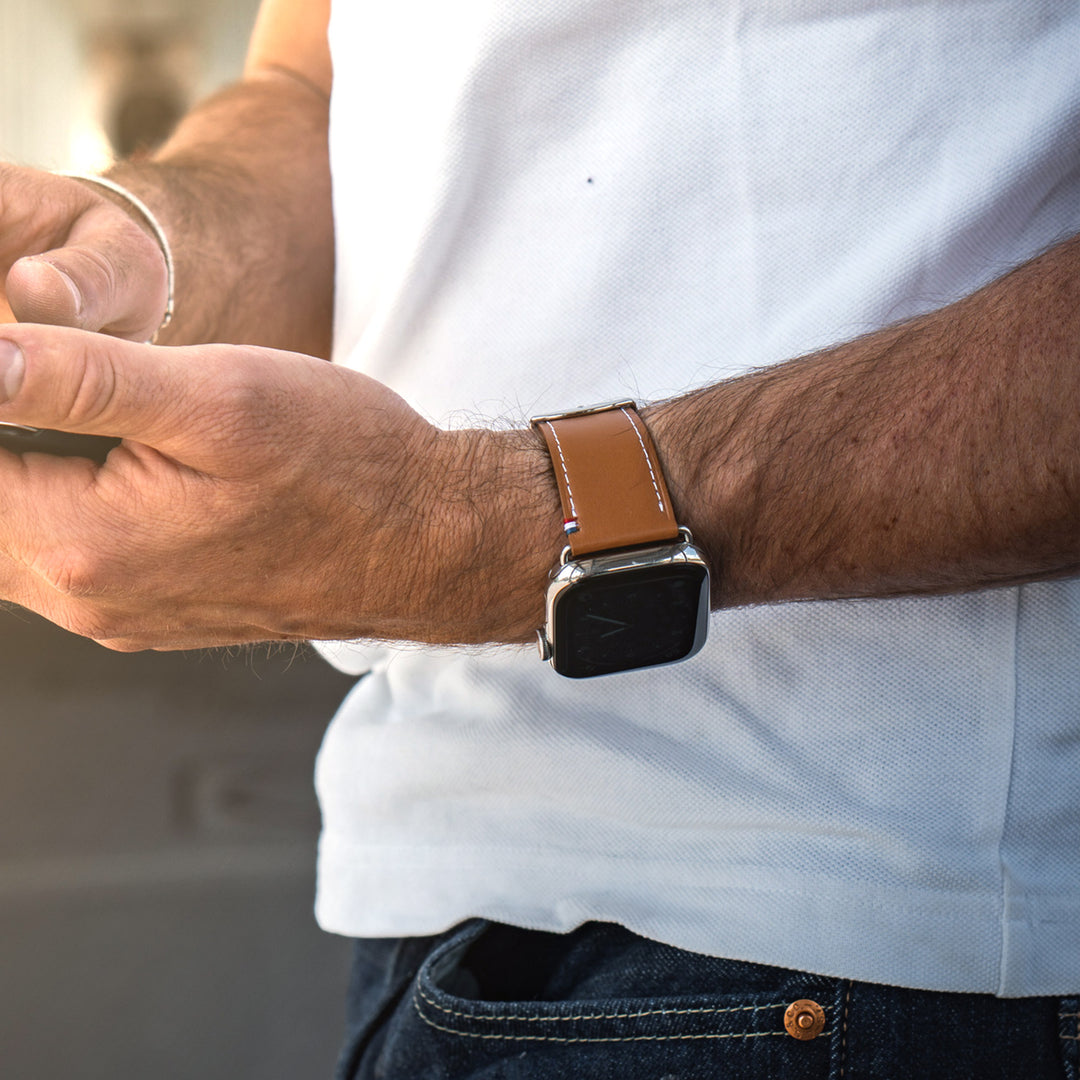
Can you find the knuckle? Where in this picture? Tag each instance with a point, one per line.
(107, 624)
(244, 409)
(129, 272)
(71, 377)
(115, 626)
(76, 574)
(96, 393)
(88, 622)
(240, 401)
(21, 195)
(92, 389)
(122, 645)
(100, 274)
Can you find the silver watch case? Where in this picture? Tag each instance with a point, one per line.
(628, 563)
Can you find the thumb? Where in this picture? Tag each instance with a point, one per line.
(214, 408)
(110, 276)
(55, 377)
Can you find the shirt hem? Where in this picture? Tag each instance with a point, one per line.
(909, 938)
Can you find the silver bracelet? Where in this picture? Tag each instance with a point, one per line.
(155, 227)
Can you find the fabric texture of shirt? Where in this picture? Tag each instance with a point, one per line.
(547, 204)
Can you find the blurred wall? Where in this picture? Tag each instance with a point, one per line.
(63, 62)
(157, 846)
(157, 818)
(41, 72)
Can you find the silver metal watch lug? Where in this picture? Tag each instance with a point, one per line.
(543, 644)
(586, 410)
(678, 550)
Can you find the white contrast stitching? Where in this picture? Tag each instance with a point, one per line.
(1070, 1016)
(595, 1038)
(652, 475)
(566, 475)
(598, 1016)
(606, 1039)
(843, 1029)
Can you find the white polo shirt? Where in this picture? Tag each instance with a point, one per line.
(546, 203)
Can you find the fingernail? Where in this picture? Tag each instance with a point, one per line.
(76, 296)
(12, 366)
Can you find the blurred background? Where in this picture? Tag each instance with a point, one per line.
(84, 80)
(157, 817)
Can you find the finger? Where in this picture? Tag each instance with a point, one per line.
(110, 275)
(56, 377)
(99, 591)
(25, 590)
(199, 405)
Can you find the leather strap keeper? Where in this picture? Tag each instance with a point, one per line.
(610, 481)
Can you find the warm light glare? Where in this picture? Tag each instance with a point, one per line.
(88, 149)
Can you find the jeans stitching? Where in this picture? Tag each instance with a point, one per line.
(599, 1038)
(597, 1016)
(420, 996)
(1069, 1053)
(843, 1032)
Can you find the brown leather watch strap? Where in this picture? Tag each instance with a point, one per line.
(610, 481)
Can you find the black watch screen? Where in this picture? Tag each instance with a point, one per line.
(635, 618)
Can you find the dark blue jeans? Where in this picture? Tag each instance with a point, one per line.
(600, 1003)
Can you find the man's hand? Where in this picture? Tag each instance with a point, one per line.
(69, 255)
(259, 495)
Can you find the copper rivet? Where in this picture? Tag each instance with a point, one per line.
(804, 1019)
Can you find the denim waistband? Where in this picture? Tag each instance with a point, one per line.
(497, 1001)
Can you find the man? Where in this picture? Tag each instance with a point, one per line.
(841, 837)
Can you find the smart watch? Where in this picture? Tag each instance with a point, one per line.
(630, 590)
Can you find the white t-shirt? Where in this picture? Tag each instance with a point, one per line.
(548, 203)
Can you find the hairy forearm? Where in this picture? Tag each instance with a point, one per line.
(243, 192)
(939, 455)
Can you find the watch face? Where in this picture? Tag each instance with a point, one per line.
(630, 619)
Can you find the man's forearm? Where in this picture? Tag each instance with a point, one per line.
(243, 192)
(939, 455)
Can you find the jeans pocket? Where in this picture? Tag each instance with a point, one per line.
(730, 1022)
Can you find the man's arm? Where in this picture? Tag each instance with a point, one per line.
(243, 192)
(265, 495)
(939, 455)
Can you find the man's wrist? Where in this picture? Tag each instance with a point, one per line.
(497, 534)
